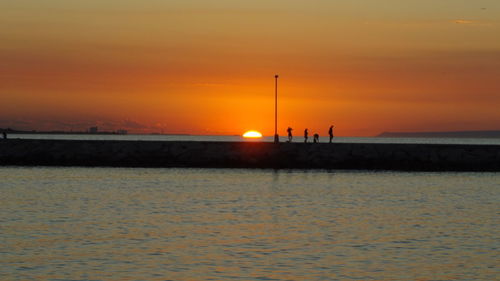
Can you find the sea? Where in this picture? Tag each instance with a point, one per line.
(75, 223)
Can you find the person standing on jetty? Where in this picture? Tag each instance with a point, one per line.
(330, 133)
(4, 135)
(289, 130)
(306, 135)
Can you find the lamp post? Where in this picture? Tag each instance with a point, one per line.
(276, 136)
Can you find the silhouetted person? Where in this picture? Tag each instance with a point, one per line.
(4, 135)
(289, 130)
(316, 138)
(330, 133)
(306, 135)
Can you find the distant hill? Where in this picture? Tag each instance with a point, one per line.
(456, 134)
(14, 131)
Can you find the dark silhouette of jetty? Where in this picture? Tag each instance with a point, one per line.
(372, 156)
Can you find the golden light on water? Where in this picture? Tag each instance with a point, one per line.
(252, 134)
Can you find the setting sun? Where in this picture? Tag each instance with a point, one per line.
(252, 134)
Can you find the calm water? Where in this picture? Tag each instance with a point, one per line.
(222, 224)
(495, 141)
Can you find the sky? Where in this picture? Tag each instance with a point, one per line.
(207, 67)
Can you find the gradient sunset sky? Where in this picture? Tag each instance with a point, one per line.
(207, 67)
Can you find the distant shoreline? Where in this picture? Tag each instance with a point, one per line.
(453, 134)
(34, 132)
(491, 134)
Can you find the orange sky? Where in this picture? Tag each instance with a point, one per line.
(207, 67)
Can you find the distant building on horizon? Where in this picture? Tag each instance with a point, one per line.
(122, 132)
(93, 130)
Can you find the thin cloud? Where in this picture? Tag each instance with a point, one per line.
(431, 22)
(473, 22)
(460, 21)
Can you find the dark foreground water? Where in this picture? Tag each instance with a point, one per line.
(221, 224)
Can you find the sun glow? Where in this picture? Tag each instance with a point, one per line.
(252, 134)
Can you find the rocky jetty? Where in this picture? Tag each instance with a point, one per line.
(372, 156)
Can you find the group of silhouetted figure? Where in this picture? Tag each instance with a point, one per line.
(306, 135)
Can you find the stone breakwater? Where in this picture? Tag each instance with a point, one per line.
(409, 157)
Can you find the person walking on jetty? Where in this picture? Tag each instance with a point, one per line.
(289, 130)
(316, 138)
(306, 135)
(330, 133)
(4, 135)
